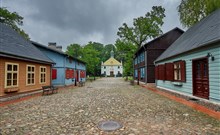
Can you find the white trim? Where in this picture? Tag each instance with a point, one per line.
(188, 95)
(6, 71)
(31, 73)
(43, 73)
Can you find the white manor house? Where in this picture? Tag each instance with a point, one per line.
(112, 67)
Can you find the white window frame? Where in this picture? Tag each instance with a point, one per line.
(42, 73)
(177, 71)
(6, 71)
(27, 72)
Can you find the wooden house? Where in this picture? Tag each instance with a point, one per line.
(66, 69)
(23, 68)
(112, 67)
(191, 65)
(147, 54)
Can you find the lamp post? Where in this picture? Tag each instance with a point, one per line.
(75, 66)
(75, 73)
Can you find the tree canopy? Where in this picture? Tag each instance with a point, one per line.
(126, 52)
(13, 20)
(144, 27)
(74, 50)
(192, 11)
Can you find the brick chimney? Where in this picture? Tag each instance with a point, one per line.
(59, 48)
(52, 45)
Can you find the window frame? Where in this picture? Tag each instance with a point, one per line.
(179, 70)
(42, 73)
(31, 74)
(6, 72)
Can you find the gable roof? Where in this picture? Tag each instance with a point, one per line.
(205, 32)
(15, 46)
(111, 62)
(161, 36)
(56, 51)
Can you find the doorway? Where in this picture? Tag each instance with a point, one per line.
(201, 78)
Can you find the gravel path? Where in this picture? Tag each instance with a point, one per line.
(78, 112)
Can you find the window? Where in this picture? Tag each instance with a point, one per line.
(118, 67)
(30, 74)
(177, 71)
(11, 71)
(70, 60)
(171, 71)
(142, 73)
(104, 67)
(42, 74)
(135, 73)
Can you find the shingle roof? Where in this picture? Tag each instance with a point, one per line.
(14, 45)
(155, 39)
(55, 50)
(201, 34)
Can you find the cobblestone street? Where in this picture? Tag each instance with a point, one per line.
(78, 111)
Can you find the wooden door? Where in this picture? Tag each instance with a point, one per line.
(201, 78)
(112, 73)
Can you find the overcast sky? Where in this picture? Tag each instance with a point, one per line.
(81, 21)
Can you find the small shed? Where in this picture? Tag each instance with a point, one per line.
(191, 65)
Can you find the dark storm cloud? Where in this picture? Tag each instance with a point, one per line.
(84, 16)
(81, 21)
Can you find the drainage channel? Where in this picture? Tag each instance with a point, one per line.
(109, 125)
(193, 99)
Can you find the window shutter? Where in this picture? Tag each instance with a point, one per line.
(161, 73)
(67, 73)
(163, 77)
(54, 74)
(183, 71)
(71, 73)
(156, 73)
(169, 71)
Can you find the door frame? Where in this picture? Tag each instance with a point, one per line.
(193, 74)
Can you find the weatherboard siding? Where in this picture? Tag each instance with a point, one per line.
(63, 62)
(214, 72)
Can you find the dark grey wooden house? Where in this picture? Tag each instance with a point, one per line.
(148, 53)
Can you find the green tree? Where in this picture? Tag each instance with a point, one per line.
(91, 57)
(13, 20)
(74, 50)
(106, 52)
(192, 11)
(144, 28)
(126, 52)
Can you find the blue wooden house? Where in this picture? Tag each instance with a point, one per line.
(191, 65)
(66, 69)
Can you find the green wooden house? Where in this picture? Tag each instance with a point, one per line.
(191, 65)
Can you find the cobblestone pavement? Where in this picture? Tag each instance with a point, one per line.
(78, 111)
